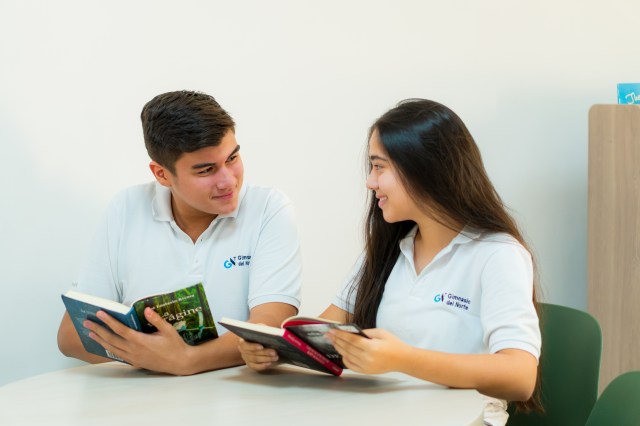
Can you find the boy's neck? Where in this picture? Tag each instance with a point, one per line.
(192, 223)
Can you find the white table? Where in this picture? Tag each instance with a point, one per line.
(117, 394)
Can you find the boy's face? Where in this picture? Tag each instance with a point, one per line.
(206, 182)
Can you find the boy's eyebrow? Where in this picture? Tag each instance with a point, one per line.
(202, 165)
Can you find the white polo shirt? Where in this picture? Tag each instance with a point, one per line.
(474, 297)
(246, 258)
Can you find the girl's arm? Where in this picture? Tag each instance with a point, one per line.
(508, 374)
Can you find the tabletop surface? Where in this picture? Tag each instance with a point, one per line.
(115, 393)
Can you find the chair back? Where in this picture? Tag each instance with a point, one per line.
(570, 367)
(619, 403)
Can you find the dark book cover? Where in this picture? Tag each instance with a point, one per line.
(79, 311)
(290, 348)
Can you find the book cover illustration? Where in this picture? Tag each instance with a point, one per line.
(628, 93)
(187, 310)
(314, 336)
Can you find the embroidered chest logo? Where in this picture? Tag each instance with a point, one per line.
(240, 260)
(451, 299)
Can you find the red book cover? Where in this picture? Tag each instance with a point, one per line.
(290, 348)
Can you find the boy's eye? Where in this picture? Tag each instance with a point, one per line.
(205, 171)
(232, 158)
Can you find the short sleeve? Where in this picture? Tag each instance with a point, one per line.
(98, 274)
(346, 297)
(508, 315)
(276, 271)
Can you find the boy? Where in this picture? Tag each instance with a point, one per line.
(196, 223)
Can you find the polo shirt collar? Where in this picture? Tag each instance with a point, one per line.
(161, 204)
(466, 235)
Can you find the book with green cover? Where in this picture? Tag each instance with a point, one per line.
(186, 309)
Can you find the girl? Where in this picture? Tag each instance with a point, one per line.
(445, 285)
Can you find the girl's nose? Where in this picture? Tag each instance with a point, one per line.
(371, 182)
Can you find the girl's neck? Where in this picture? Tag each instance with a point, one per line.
(431, 238)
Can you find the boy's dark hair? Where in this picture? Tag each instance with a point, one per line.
(184, 121)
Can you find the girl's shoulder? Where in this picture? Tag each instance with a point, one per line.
(490, 237)
(493, 241)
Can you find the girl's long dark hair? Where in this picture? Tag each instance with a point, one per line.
(440, 166)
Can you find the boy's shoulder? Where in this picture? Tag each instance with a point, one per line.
(145, 190)
(260, 204)
(264, 192)
(135, 197)
(264, 195)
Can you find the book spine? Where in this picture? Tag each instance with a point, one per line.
(315, 355)
(135, 321)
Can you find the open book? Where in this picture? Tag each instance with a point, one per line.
(186, 309)
(299, 340)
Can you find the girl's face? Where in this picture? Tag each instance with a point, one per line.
(393, 199)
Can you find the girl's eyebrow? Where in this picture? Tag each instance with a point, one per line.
(377, 157)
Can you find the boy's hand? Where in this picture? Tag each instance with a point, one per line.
(163, 351)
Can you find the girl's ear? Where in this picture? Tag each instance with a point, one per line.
(162, 175)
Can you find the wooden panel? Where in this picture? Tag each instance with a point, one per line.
(614, 235)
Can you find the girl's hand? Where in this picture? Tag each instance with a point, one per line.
(257, 356)
(382, 353)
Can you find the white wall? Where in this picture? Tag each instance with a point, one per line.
(304, 80)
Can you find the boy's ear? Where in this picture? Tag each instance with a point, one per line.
(161, 174)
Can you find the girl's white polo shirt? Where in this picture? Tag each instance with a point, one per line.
(474, 297)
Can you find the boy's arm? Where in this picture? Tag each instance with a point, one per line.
(70, 345)
(260, 358)
(334, 313)
(166, 352)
